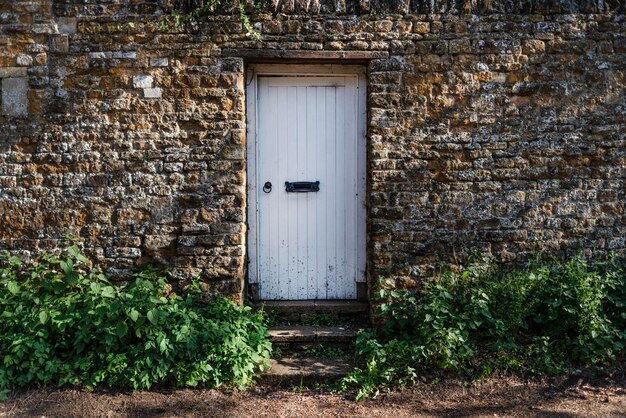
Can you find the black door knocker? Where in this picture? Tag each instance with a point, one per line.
(267, 187)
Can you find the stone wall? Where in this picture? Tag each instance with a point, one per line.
(503, 132)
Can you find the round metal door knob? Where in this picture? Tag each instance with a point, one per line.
(267, 187)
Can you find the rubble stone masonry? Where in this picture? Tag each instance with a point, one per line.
(499, 127)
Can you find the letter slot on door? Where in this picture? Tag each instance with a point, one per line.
(302, 186)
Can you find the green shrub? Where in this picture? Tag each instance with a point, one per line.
(539, 320)
(62, 323)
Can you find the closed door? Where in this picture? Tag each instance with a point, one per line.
(309, 207)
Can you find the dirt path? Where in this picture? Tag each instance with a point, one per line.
(510, 397)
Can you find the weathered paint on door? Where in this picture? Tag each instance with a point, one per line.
(308, 245)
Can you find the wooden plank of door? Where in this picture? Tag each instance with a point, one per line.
(351, 183)
(314, 152)
(268, 160)
(290, 201)
(322, 198)
(303, 200)
(284, 218)
(331, 203)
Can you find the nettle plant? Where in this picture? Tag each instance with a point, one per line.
(544, 318)
(62, 322)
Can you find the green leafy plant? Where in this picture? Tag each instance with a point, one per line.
(321, 319)
(539, 319)
(63, 323)
(191, 13)
(320, 350)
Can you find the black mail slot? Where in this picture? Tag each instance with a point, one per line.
(302, 186)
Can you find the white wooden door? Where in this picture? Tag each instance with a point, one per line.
(309, 244)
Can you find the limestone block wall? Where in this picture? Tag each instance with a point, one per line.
(498, 131)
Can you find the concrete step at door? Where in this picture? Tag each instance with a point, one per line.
(302, 311)
(319, 339)
(306, 333)
(294, 371)
(307, 355)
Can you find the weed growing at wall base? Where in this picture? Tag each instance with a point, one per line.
(541, 319)
(62, 323)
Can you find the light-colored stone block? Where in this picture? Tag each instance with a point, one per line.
(43, 28)
(125, 55)
(15, 96)
(142, 81)
(101, 55)
(113, 54)
(67, 24)
(24, 60)
(159, 62)
(152, 93)
(6, 72)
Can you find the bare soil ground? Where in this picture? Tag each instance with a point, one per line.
(494, 397)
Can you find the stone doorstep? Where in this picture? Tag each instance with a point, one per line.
(302, 371)
(315, 306)
(303, 333)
